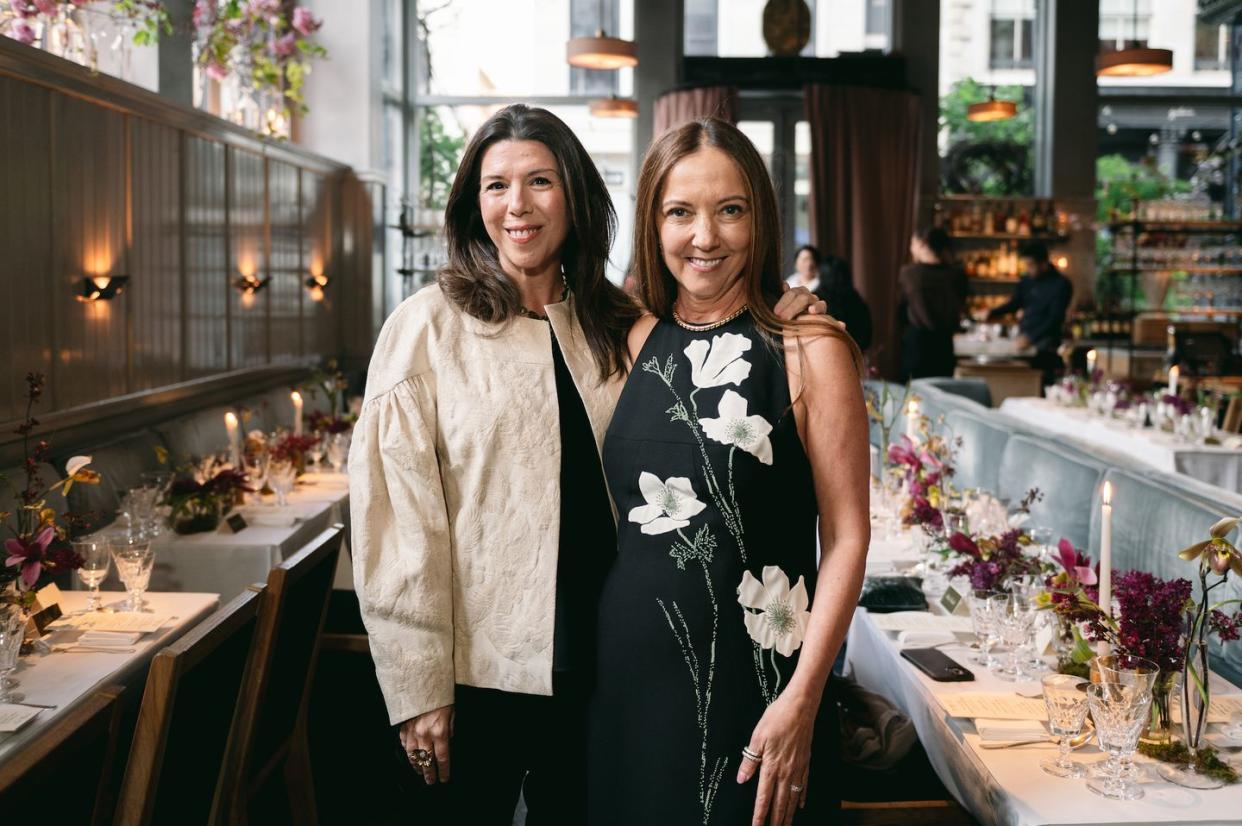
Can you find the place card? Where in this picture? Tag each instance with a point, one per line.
(126, 621)
(14, 717)
(992, 706)
(235, 522)
(953, 603)
(921, 621)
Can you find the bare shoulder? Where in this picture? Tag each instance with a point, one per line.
(820, 348)
(638, 334)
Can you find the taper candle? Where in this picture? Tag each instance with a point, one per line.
(297, 412)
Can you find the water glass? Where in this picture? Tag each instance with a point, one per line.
(12, 632)
(96, 559)
(1015, 622)
(1120, 712)
(1129, 672)
(134, 557)
(315, 451)
(338, 450)
(1066, 699)
(281, 474)
(257, 462)
(984, 609)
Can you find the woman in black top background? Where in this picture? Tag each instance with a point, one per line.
(933, 298)
(828, 276)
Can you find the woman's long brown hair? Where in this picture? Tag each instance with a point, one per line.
(473, 279)
(763, 277)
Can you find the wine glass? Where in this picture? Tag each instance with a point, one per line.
(1129, 672)
(1066, 699)
(256, 463)
(983, 613)
(96, 559)
(133, 556)
(1014, 622)
(281, 474)
(1119, 711)
(315, 451)
(12, 632)
(338, 449)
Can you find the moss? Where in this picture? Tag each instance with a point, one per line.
(1205, 759)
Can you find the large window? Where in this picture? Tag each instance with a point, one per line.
(1011, 34)
(1211, 47)
(1124, 22)
(734, 28)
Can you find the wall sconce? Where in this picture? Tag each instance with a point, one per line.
(249, 286)
(315, 285)
(101, 287)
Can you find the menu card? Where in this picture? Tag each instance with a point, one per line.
(129, 621)
(14, 717)
(1221, 710)
(994, 706)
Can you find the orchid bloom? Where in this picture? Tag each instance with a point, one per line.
(76, 471)
(1222, 555)
(1069, 558)
(28, 555)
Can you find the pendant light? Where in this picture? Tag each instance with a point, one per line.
(614, 107)
(1134, 61)
(991, 109)
(601, 51)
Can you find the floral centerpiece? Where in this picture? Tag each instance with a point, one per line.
(333, 384)
(38, 541)
(927, 468)
(66, 22)
(293, 448)
(197, 504)
(268, 44)
(992, 562)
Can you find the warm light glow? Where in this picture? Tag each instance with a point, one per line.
(1134, 63)
(315, 293)
(316, 268)
(230, 420)
(912, 408)
(101, 281)
(247, 264)
(247, 299)
(991, 110)
(297, 398)
(1175, 373)
(1062, 262)
(1106, 495)
(614, 108)
(601, 52)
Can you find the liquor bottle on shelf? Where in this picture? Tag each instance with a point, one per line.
(1039, 224)
(998, 220)
(1024, 223)
(1172, 356)
(1011, 222)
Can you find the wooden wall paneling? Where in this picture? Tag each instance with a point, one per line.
(26, 233)
(248, 253)
(207, 270)
(287, 268)
(155, 299)
(88, 208)
(319, 317)
(361, 267)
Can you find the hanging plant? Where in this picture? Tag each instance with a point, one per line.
(22, 20)
(267, 45)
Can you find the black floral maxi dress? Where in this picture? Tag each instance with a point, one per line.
(703, 613)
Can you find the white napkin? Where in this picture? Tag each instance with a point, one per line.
(917, 639)
(271, 520)
(108, 639)
(1010, 730)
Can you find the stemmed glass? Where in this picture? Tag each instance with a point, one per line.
(315, 451)
(133, 556)
(12, 631)
(95, 562)
(1130, 679)
(338, 449)
(1119, 711)
(256, 463)
(984, 609)
(281, 474)
(1015, 621)
(1066, 699)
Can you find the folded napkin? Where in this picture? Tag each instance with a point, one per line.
(269, 520)
(912, 638)
(108, 639)
(1009, 730)
(1223, 735)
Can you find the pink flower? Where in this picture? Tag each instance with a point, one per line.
(304, 22)
(21, 32)
(28, 555)
(47, 7)
(264, 8)
(82, 2)
(23, 9)
(285, 45)
(963, 544)
(202, 12)
(1075, 564)
(216, 72)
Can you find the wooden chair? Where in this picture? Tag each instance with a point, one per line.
(187, 713)
(1233, 415)
(268, 759)
(66, 771)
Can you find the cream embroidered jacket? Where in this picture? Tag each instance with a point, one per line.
(454, 486)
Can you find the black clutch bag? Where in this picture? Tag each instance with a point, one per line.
(886, 594)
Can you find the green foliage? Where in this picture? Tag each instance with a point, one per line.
(1205, 759)
(1119, 183)
(1019, 129)
(991, 158)
(438, 156)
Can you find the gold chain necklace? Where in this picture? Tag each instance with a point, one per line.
(523, 311)
(710, 325)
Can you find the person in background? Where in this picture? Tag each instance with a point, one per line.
(932, 299)
(1043, 298)
(828, 277)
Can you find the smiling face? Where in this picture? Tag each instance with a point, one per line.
(805, 265)
(522, 201)
(705, 224)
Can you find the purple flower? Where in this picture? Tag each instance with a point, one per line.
(264, 8)
(286, 45)
(22, 32)
(1225, 627)
(1152, 617)
(46, 7)
(1077, 566)
(27, 554)
(23, 8)
(304, 22)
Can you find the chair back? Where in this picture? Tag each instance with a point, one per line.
(983, 441)
(1067, 479)
(187, 713)
(273, 703)
(67, 770)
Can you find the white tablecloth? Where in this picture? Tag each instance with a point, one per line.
(965, 346)
(1006, 786)
(65, 679)
(1219, 466)
(226, 563)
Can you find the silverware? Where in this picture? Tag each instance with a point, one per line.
(88, 649)
(31, 705)
(1077, 741)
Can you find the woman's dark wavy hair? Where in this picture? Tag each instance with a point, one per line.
(473, 279)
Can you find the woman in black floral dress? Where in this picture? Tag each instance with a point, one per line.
(719, 624)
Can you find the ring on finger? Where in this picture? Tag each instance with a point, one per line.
(795, 788)
(421, 758)
(751, 755)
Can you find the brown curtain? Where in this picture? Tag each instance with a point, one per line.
(684, 105)
(864, 183)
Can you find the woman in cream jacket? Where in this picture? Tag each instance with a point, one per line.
(482, 523)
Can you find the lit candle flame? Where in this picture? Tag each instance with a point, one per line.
(1107, 495)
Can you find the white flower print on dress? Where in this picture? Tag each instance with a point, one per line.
(719, 364)
(734, 427)
(778, 615)
(670, 504)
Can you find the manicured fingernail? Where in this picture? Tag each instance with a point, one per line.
(741, 778)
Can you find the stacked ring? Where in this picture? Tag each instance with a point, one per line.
(795, 788)
(750, 755)
(421, 759)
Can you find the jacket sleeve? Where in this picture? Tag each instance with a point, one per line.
(402, 548)
(1016, 302)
